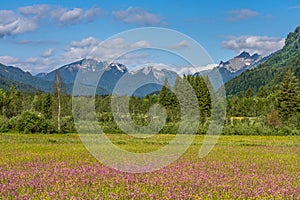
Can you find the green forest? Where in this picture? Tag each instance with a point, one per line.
(273, 111)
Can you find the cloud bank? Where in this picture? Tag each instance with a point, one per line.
(263, 45)
(27, 19)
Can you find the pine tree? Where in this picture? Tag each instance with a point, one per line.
(288, 96)
(200, 86)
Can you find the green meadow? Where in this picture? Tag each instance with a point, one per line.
(58, 166)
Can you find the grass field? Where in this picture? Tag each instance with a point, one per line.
(37, 166)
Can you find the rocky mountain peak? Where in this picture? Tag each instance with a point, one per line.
(244, 54)
(239, 62)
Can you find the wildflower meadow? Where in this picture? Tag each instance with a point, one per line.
(38, 166)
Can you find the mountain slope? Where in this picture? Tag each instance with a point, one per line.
(18, 76)
(6, 84)
(268, 74)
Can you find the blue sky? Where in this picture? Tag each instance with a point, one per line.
(39, 36)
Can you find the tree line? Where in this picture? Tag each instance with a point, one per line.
(262, 113)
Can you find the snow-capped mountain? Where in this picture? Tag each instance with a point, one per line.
(158, 71)
(113, 72)
(116, 67)
(236, 65)
(154, 74)
(68, 72)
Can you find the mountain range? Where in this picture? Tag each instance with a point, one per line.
(24, 81)
(112, 73)
(239, 73)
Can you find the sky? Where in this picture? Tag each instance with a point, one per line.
(39, 36)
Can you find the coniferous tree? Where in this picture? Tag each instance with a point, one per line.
(168, 99)
(249, 93)
(288, 96)
(165, 94)
(46, 106)
(177, 90)
(200, 86)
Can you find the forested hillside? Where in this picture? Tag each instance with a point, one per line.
(271, 72)
(24, 81)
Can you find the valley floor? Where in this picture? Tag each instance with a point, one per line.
(38, 166)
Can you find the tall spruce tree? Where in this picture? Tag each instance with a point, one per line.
(288, 96)
(165, 94)
(168, 99)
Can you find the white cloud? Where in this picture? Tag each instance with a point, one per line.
(31, 60)
(80, 49)
(48, 53)
(74, 16)
(77, 50)
(116, 48)
(242, 14)
(30, 64)
(27, 18)
(91, 14)
(263, 45)
(193, 70)
(132, 60)
(9, 60)
(141, 44)
(70, 16)
(105, 51)
(136, 15)
(14, 24)
(181, 44)
(90, 41)
(37, 11)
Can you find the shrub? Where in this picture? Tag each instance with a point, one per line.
(29, 122)
(4, 124)
(170, 128)
(67, 124)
